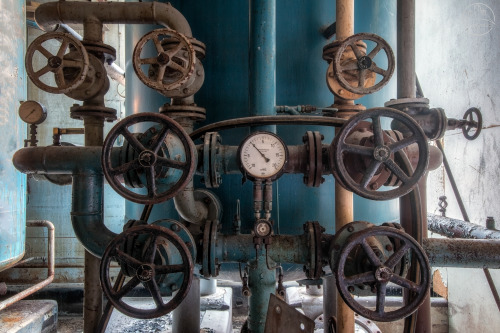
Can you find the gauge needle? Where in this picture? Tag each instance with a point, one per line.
(264, 156)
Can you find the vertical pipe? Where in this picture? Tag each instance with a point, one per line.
(186, 317)
(262, 59)
(329, 299)
(262, 283)
(406, 49)
(344, 211)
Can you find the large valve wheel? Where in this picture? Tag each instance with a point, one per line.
(161, 172)
(63, 66)
(382, 153)
(169, 68)
(364, 64)
(383, 273)
(146, 270)
(473, 125)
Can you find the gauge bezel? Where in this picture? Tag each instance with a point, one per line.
(40, 107)
(246, 172)
(256, 228)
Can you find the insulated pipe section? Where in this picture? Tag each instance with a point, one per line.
(454, 228)
(49, 15)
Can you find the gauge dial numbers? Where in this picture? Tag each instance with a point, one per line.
(262, 155)
(32, 112)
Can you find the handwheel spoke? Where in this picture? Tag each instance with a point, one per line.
(397, 256)
(375, 51)
(149, 255)
(161, 73)
(151, 184)
(62, 49)
(155, 293)
(168, 269)
(171, 53)
(379, 70)
(362, 78)
(128, 259)
(381, 292)
(371, 255)
(360, 278)
(148, 61)
(396, 146)
(397, 171)
(158, 45)
(59, 74)
(127, 287)
(370, 172)
(351, 66)
(356, 50)
(378, 133)
(405, 283)
(46, 53)
(132, 140)
(160, 139)
(176, 66)
(356, 149)
(43, 71)
(165, 162)
(124, 168)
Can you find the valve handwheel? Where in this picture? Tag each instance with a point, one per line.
(69, 71)
(381, 155)
(365, 63)
(150, 162)
(146, 270)
(169, 68)
(473, 125)
(383, 273)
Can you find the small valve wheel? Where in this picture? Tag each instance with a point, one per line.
(151, 160)
(364, 64)
(473, 124)
(68, 62)
(170, 67)
(380, 155)
(146, 270)
(382, 273)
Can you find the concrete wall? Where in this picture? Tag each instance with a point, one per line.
(458, 45)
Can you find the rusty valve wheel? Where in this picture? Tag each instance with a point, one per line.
(381, 155)
(69, 64)
(150, 160)
(146, 270)
(473, 124)
(383, 273)
(167, 69)
(364, 63)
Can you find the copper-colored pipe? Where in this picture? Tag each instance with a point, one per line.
(50, 265)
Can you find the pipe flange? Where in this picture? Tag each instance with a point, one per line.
(82, 111)
(314, 268)
(94, 83)
(193, 112)
(211, 201)
(210, 265)
(315, 166)
(347, 110)
(101, 50)
(409, 105)
(212, 165)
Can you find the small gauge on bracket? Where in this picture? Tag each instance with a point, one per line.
(262, 155)
(263, 228)
(32, 112)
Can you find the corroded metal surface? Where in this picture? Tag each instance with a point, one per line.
(454, 228)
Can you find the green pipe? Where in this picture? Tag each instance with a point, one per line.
(262, 283)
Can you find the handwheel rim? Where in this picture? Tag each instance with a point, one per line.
(129, 310)
(410, 244)
(113, 174)
(340, 146)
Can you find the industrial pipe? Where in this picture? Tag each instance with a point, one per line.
(454, 228)
(50, 265)
(49, 15)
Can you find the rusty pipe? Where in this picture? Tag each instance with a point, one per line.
(50, 265)
(49, 15)
(454, 228)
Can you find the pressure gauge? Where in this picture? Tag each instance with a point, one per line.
(262, 155)
(32, 112)
(263, 228)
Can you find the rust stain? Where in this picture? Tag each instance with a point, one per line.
(12, 319)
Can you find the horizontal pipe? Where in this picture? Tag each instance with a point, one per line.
(463, 253)
(49, 15)
(454, 228)
(50, 265)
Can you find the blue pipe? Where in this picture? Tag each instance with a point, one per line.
(262, 283)
(262, 68)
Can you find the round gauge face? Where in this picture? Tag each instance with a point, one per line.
(263, 228)
(32, 112)
(263, 155)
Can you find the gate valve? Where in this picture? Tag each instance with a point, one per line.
(379, 157)
(171, 67)
(148, 269)
(471, 124)
(364, 67)
(382, 272)
(68, 64)
(164, 163)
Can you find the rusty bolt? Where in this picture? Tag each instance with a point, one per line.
(175, 227)
(374, 186)
(198, 72)
(98, 75)
(185, 90)
(351, 289)
(350, 228)
(388, 247)
(341, 91)
(189, 244)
